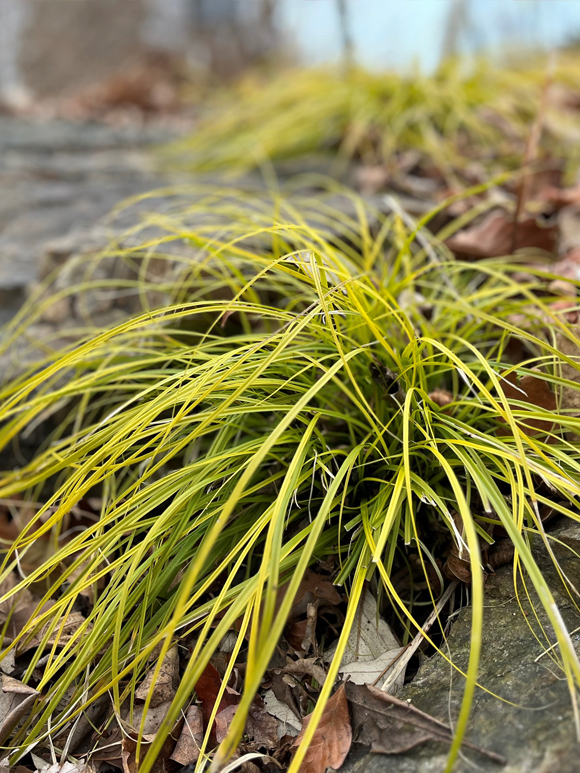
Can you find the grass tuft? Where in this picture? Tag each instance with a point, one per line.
(278, 412)
(462, 114)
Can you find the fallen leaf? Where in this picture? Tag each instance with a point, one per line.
(290, 692)
(129, 746)
(494, 236)
(368, 671)
(313, 587)
(332, 738)
(60, 635)
(371, 645)
(441, 397)
(207, 689)
(65, 767)
(261, 727)
(458, 563)
(295, 634)
(189, 742)
(153, 720)
(90, 718)
(304, 667)
(16, 610)
(391, 726)
(535, 391)
(15, 700)
(457, 568)
(289, 723)
(500, 553)
(309, 638)
(166, 683)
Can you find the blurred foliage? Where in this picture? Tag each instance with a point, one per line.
(462, 113)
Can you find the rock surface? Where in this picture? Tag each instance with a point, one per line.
(57, 181)
(535, 731)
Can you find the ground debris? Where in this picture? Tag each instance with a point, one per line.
(391, 726)
(332, 738)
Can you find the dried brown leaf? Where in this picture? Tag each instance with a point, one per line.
(162, 762)
(189, 742)
(305, 667)
(15, 700)
(441, 397)
(207, 689)
(500, 553)
(313, 587)
(391, 726)
(261, 727)
(290, 692)
(332, 738)
(493, 236)
(61, 634)
(166, 683)
(535, 391)
(295, 634)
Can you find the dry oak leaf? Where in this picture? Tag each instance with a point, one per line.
(332, 738)
(391, 726)
(494, 236)
(535, 391)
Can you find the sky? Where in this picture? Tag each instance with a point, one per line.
(406, 33)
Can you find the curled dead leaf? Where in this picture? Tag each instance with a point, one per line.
(261, 727)
(441, 397)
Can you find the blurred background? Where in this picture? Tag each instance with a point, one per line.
(88, 87)
(59, 48)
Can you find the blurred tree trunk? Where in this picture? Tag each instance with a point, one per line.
(455, 27)
(59, 48)
(345, 34)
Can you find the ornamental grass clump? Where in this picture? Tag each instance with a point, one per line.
(461, 114)
(278, 413)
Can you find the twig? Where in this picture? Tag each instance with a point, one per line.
(405, 656)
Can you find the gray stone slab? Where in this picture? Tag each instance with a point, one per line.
(59, 179)
(533, 728)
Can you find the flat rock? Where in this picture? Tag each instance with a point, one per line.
(534, 731)
(58, 180)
